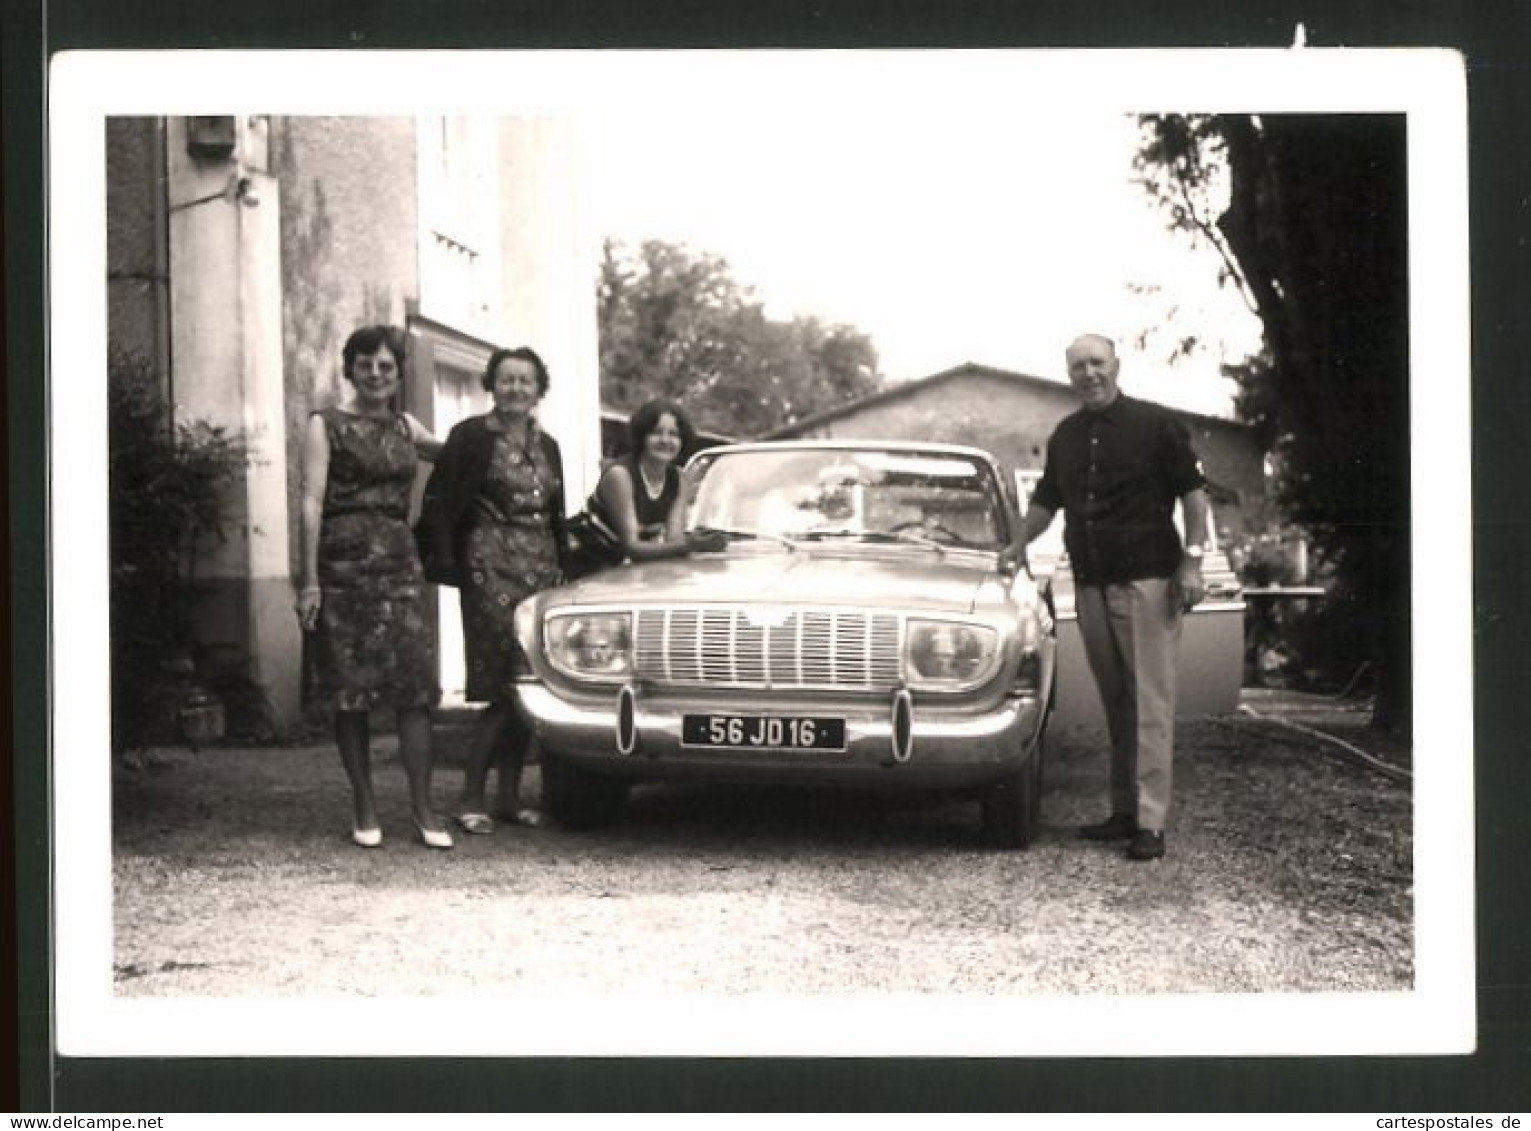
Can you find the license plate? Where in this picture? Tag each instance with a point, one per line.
(763, 732)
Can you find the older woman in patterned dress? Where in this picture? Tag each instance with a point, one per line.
(499, 479)
(363, 595)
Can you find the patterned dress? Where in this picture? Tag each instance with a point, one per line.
(510, 554)
(376, 647)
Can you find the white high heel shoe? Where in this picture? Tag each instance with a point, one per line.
(434, 838)
(367, 838)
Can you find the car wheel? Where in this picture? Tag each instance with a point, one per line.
(578, 798)
(1012, 806)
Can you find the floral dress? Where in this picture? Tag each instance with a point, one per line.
(376, 646)
(510, 554)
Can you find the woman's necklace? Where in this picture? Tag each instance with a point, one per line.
(650, 487)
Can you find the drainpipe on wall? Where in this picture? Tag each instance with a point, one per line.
(225, 289)
(164, 357)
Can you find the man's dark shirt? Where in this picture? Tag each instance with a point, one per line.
(1116, 475)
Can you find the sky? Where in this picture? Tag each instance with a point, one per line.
(991, 236)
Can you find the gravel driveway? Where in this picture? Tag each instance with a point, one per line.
(1289, 870)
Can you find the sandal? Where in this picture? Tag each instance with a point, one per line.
(531, 818)
(480, 824)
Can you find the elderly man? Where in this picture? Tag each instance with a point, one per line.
(1116, 468)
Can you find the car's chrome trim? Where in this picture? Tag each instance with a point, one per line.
(627, 720)
(591, 724)
(903, 725)
(730, 646)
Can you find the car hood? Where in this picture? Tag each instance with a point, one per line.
(918, 581)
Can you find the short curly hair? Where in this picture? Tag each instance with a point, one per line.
(520, 353)
(368, 340)
(646, 418)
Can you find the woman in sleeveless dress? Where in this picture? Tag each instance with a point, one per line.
(362, 594)
(643, 496)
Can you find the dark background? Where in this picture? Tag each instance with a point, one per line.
(1496, 41)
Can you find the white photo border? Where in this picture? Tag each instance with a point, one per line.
(1436, 1017)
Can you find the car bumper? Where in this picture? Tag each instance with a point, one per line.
(944, 748)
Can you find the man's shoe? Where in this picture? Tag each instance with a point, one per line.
(1147, 844)
(1119, 826)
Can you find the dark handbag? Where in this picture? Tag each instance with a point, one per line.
(593, 545)
(433, 541)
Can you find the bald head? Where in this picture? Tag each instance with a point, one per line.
(1092, 369)
(1100, 340)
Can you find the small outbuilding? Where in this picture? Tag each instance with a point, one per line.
(1012, 414)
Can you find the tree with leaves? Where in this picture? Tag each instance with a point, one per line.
(1315, 236)
(675, 323)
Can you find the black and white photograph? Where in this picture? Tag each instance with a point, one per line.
(761, 553)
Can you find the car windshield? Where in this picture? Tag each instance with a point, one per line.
(867, 495)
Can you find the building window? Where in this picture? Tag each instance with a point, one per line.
(459, 231)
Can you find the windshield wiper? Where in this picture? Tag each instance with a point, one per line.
(746, 535)
(881, 537)
(825, 535)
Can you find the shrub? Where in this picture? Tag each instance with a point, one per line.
(166, 484)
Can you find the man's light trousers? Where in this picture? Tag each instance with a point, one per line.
(1131, 635)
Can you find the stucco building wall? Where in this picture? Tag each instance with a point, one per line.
(349, 255)
(1233, 462)
(135, 270)
(548, 270)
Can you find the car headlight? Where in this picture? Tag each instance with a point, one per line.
(950, 655)
(591, 645)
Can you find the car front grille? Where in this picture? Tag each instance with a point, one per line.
(712, 646)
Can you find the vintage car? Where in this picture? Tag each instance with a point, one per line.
(856, 631)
